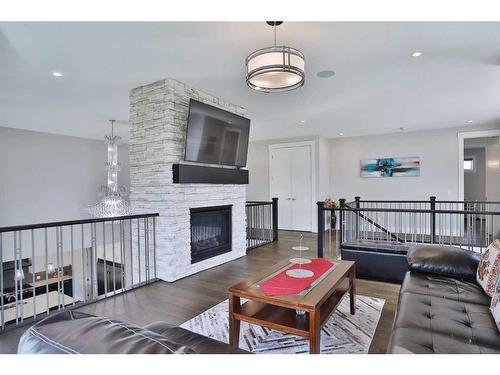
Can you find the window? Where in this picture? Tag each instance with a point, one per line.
(469, 164)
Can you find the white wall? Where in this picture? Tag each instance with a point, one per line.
(46, 177)
(438, 173)
(258, 171)
(493, 169)
(323, 171)
(438, 152)
(475, 180)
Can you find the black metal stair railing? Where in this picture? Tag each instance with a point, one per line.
(54, 266)
(468, 224)
(261, 222)
(369, 221)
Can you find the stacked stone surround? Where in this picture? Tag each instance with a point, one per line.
(158, 119)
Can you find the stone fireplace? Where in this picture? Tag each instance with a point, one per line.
(158, 118)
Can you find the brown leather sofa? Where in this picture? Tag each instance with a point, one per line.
(441, 308)
(73, 332)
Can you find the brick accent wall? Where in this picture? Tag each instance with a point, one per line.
(158, 119)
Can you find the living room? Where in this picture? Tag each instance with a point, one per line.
(228, 186)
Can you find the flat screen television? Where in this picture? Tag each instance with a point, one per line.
(215, 136)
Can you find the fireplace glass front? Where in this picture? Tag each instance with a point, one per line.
(210, 232)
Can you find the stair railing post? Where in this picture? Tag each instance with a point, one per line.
(433, 219)
(321, 228)
(341, 219)
(275, 219)
(358, 205)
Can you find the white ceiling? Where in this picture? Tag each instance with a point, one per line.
(378, 87)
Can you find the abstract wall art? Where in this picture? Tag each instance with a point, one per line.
(391, 167)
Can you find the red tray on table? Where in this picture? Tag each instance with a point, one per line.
(282, 284)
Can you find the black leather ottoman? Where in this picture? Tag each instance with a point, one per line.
(377, 260)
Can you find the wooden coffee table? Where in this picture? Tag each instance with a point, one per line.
(279, 312)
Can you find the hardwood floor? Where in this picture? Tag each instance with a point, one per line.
(182, 300)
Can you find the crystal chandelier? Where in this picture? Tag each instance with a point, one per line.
(113, 197)
(275, 69)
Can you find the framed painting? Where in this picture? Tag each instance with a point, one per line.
(391, 167)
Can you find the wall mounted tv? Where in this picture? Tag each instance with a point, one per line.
(215, 136)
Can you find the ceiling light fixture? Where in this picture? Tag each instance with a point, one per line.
(416, 54)
(469, 122)
(275, 69)
(114, 197)
(302, 121)
(57, 74)
(341, 134)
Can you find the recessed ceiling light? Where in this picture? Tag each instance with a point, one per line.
(57, 74)
(302, 121)
(416, 54)
(469, 122)
(325, 74)
(341, 134)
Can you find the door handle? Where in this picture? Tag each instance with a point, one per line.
(293, 199)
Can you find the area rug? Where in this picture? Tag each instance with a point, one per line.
(342, 334)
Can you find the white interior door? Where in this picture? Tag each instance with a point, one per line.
(291, 182)
(279, 170)
(301, 173)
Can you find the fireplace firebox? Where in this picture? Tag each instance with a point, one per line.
(210, 232)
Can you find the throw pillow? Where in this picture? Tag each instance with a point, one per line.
(495, 305)
(488, 269)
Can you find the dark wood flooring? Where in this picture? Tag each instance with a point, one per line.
(182, 300)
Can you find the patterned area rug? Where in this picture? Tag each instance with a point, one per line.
(342, 334)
